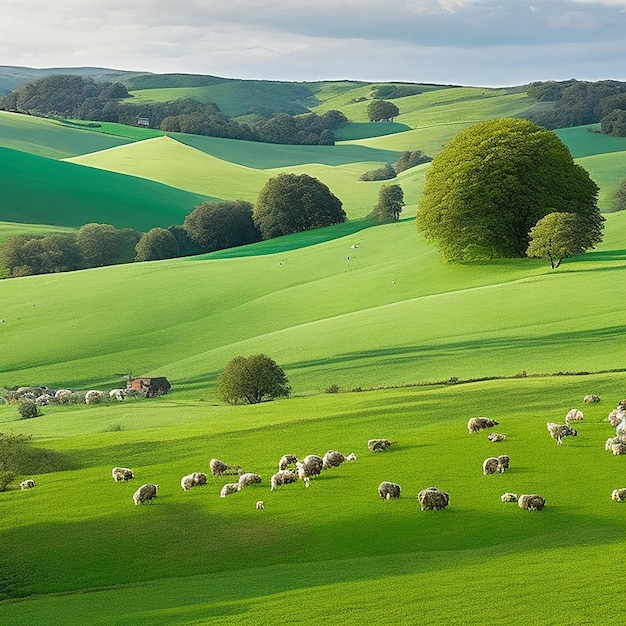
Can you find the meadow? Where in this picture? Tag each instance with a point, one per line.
(413, 347)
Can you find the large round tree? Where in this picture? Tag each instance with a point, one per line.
(493, 182)
(291, 203)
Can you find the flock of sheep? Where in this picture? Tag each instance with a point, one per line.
(43, 395)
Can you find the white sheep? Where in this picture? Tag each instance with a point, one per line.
(558, 431)
(29, 483)
(531, 502)
(351, 457)
(93, 396)
(195, 479)
(616, 416)
(333, 458)
(229, 488)
(619, 495)
(379, 445)
(122, 474)
(591, 398)
(286, 460)
(62, 396)
(387, 490)
(117, 394)
(282, 477)
(260, 505)
(508, 497)
(478, 423)
(496, 437)
(145, 493)
(249, 478)
(433, 498)
(575, 415)
(219, 468)
(492, 465)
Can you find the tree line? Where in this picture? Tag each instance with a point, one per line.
(580, 102)
(80, 97)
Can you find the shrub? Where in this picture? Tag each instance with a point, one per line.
(28, 409)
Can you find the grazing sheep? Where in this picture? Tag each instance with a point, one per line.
(229, 488)
(219, 468)
(504, 461)
(575, 415)
(492, 466)
(387, 490)
(617, 445)
(496, 437)
(145, 493)
(313, 464)
(478, 423)
(619, 495)
(351, 457)
(508, 497)
(122, 474)
(433, 498)
(286, 460)
(379, 445)
(591, 398)
(531, 502)
(29, 483)
(93, 396)
(558, 431)
(62, 396)
(196, 479)
(117, 394)
(249, 479)
(616, 416)
(44, 399)
(282, 477)
(260, 505)
(333, 459)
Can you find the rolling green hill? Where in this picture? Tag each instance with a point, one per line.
(46, 191)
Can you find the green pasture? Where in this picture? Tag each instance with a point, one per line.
(607, 170)
(76, 548)
(387, 311)
(12, 229)
(38, 190)
(50, 138)
(584, 141)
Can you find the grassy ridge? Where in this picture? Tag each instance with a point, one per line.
(46, 191)
(353, 543)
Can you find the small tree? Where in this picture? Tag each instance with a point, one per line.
(560, 236)
(382, 111)
(157, 243)
(12, 451)
(28, 408)
(619, 196)
(390, 203)
(253, 379)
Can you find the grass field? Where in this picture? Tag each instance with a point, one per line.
(373, 311)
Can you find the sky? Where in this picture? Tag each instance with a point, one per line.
(488, 43)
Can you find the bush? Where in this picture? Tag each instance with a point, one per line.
(332, 389)
(248, 380)
(382, 173)
(28, 409)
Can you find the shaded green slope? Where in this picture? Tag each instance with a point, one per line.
(45, 191)
(48, 138)
(584, 141)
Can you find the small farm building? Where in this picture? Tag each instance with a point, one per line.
(151, 387)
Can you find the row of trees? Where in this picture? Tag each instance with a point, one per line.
(407, 160)
(288, 203)
(80, 97)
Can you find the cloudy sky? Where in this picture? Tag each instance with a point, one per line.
(468, 42)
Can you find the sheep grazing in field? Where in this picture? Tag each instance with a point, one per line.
(479, 423)
(260, 505)
(195, 479)
(616, 445)
(496, 437)
(387, 490)
(249, 479)
(219, 468)
(145, 493)
(616, 416)
(44, 399)
(351, 457)
(531, 502)
(93, 396)
(333, 459)
(592, 398)
(433, 498)
(492, 466)
(117, 394)
(229, 488)
(286, 460)
(558, 431)
(310, 466)
(283, 477)
(62, 396)
(504, 461)
(29, 483)
(379, 445)
(575, 415)
(619, 495)
(508, 497)
(122, 474)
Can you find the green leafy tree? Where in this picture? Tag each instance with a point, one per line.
(292, 203)
(382, 173)
(493, 182)
(103, 244)
(614, 123)
(157, 243)
(219, 225)
(382, 111)
(619, 196)
(185, 245)
(409, 159)
(559, 236)
(389, 205)
(253, 379)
